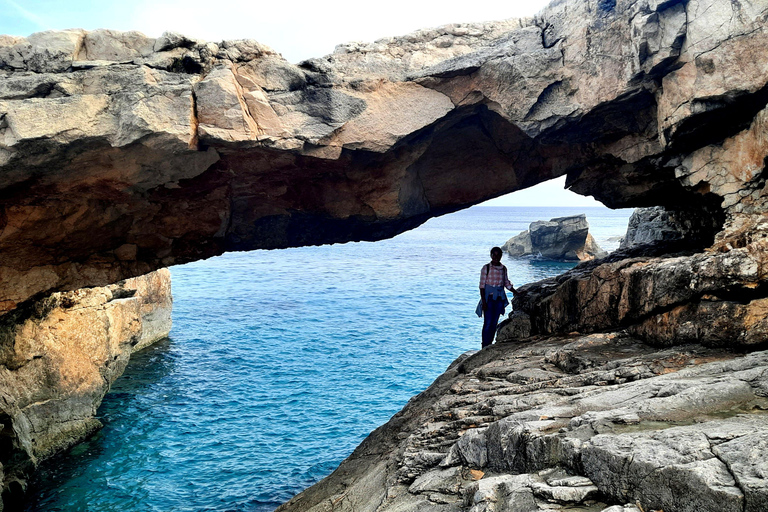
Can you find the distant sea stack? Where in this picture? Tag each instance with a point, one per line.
(561, 238)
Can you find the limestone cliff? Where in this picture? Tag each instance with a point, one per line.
(121, 154)
(613, 402)
(58, 358)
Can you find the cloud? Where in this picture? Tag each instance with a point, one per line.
(29, 16)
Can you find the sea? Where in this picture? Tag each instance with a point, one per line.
(281, 362)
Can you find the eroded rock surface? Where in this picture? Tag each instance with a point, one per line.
(58, 358)
(658, 225)
(562, 238)
(592, 423)
(120, 154)
(715, 297)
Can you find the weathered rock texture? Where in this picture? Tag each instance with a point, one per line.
(593, 423)
(563, 238)
(659, 225)
(58, 358)
(715, 297)
(121, 154)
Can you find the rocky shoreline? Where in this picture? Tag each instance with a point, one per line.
(569, 423)
(634, 381)
(58, 357)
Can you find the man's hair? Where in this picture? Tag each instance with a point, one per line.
(496, 249)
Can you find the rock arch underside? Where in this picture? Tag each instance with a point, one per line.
(642, 379)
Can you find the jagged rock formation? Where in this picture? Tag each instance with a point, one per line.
(121, 154)
(58, 358)
(658, 225)
(562, 238)
(616, 408)
(712, 297)
(588, 423)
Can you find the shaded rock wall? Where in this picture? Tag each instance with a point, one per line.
(150, 152)
(658, 225)
(58, 358)
(121, 154)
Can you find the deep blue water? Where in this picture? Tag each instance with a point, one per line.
(281, 362)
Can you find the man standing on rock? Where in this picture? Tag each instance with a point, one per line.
(493, 299)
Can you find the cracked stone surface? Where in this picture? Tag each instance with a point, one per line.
(615, 426)
(121, 154)
(710, 297)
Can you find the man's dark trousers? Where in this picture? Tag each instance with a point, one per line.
(491, 320)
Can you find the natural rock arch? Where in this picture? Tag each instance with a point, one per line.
(123, 154)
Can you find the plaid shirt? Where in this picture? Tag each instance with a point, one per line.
(496, 276)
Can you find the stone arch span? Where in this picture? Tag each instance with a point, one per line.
(122, 154)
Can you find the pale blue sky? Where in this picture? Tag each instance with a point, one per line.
(549, 193)
(297, 29)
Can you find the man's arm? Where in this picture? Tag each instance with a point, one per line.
(508, 283)
(483, 275)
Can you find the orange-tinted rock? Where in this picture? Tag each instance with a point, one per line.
(58, 357)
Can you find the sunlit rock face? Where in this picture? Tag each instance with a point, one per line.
(58, 358)
(595, 423)
(120, 154)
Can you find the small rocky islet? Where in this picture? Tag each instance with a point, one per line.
(561, 239)
(636, 381)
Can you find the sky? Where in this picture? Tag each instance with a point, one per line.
(298, 29)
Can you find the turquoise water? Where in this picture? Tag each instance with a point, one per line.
(281, 362)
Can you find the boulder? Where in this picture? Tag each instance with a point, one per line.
(562, 238)
(658, 225)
